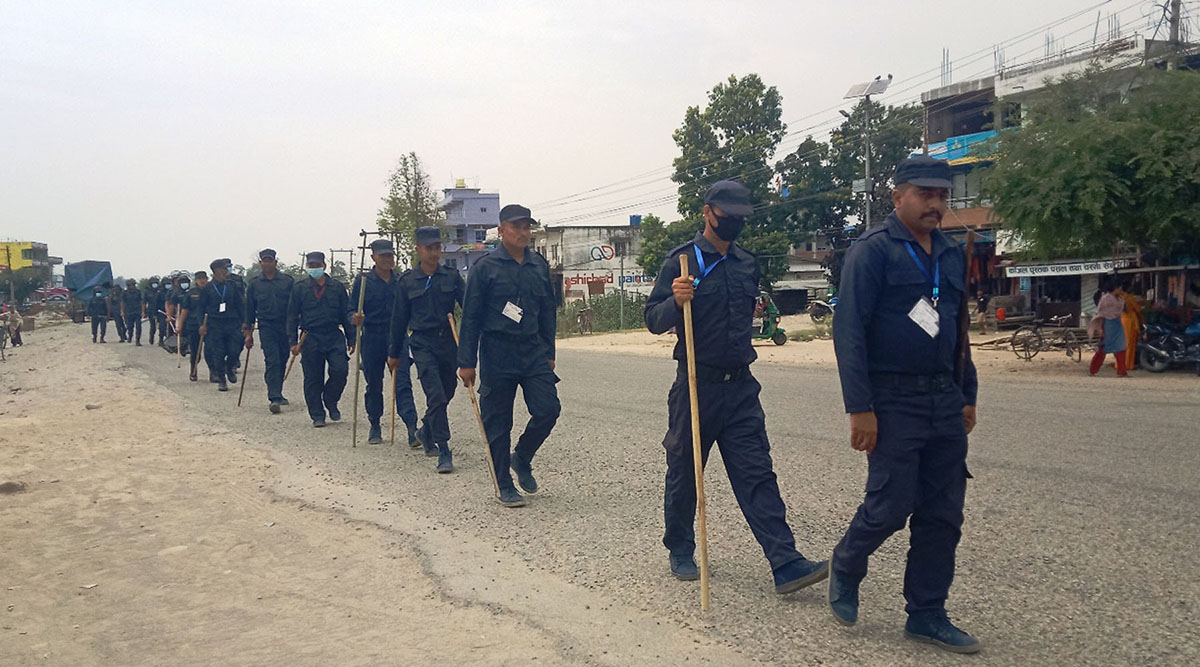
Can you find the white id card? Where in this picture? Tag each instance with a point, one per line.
(221, 307)
(926, 317)
(512, 311)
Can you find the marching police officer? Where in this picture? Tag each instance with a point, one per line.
(187, 324)
(723, 289)
(267, 303)
(132, 311)
(114, 308)
(508, 326)
(319, 305)
(424, 299)
(220, 304)
(150, 305)
(160, 309)
(381, 282)
(910, 388)
(97, 309)
(180, 284)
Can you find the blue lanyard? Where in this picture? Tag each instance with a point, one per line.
(704, 270)
(222, 292)
(936, 278)
(427, 280)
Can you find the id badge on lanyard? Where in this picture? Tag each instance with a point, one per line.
(924, 313)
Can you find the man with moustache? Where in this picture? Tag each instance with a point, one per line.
(266, 305)
(896, 335)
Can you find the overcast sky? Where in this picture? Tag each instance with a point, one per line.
(159, 135)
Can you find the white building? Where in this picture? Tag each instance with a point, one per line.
(601, 258)
(470, 214)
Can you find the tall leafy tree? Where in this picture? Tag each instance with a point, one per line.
(1092, 170)
(658, 238)
(411, 202)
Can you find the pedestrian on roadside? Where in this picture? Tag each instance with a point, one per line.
(982, 300)
(1107, 323)
(267, 299)
(319, 305)
(425, 297)
(723, 290)
(897, 339)
(508, 328)
(1131, 321)
(381, 282)
(97, 309)
(133, 311)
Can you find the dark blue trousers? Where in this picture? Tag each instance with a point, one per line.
(223, 346)
(917, 474)
(732, 416)
(152, 322)
(436, 358)
(374, 365)
(273, 340)
(324, 350)
(99, 325)
(133, 323)
(504, 365)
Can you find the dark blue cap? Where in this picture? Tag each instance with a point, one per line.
(428, 235)
(924, 172)
(315, 256)
(266, 253)
(731, 197)
(218, 263)
(382, 247)
(515, 213)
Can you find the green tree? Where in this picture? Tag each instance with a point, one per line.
(658, 238)
(22, 283)
(1089, 172)
(411, 202)
(734, 137)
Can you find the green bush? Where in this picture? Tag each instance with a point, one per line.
(606, 313)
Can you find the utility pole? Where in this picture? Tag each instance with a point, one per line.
(621, 280)
(12, 288)
(1176, 17)
(867, 156)
(865, 91)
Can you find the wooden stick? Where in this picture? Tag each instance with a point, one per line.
(362, 295)
(245, 368)
(393, 374)
(487, 448)
(964, 315)
(697, 455)
(299, 343)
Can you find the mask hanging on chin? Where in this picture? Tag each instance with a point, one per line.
(729, 227)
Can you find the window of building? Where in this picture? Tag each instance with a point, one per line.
(26, 254)
(451, 263)
(483, 209)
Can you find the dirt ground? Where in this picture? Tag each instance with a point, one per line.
(131, 533)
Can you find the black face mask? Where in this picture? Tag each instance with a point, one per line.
(729, 227)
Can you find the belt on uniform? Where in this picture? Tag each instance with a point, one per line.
(713, 374)
(919, 383)
(442, 332)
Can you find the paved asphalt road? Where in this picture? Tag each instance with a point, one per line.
(1080, 544)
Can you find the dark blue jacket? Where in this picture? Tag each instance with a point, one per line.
(496, 279)
(872, 332)
(422, 304)
(722, 308)
(378, 303)
(211, 297)
(267, 300)
(321, 315)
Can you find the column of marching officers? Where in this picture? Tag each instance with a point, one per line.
(896, 335)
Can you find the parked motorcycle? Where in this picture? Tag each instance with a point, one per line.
(818, 310)
(1162, 347)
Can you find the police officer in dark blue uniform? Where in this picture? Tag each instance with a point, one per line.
(266, 305)
(425, 297)
(98, 310)
(723, 289)
(319, 305)
(180, 284)
(220, 305)
(132, 311)
(508, 325)
(382, 282)
(150, 302)
(909, 387)
(188, 328)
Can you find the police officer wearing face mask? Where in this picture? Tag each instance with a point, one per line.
(723, 289)
(180, 284)
(425, 297)
(97, 309)
(160, 312)
(266, 304)
(189, 319)
(150, 305)
(508, 326)
(114, 308)
(221, 305)
(319, 305)
(132, 311)
(910, 392)
(381, 283)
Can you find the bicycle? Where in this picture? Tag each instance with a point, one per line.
(1030, 339)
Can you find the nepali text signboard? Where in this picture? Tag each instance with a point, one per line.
(1066, 269)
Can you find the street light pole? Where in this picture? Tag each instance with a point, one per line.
(865, 91)
(867, 156)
